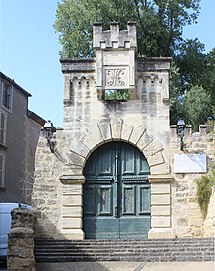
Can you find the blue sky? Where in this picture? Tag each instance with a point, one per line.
(29, 50)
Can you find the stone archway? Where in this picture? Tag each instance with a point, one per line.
(138, 136)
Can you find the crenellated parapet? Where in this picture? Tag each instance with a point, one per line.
(115, 58)
(201, 141)
(79, 74)
(154, 72)
(114, 38)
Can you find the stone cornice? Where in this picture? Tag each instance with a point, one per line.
(72, 179)
(160, 178)
(86, 65)
(153, 64)
(150, 64)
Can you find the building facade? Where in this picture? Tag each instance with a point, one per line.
(20, 129)
(111, 175)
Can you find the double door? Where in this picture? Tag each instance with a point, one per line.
(116, 193)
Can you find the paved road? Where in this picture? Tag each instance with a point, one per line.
(127, 266)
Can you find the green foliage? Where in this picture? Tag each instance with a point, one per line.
(209, 82)
(159, 23)
(73, 24)
(204, 190)
(116, 95)
(191, 62)
(159, 33)
(176, 99)
(197, 107)
(192, 70)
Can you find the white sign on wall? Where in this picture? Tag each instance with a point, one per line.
(190, 163)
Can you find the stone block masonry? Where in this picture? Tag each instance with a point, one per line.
(21, 241)
(187, 218)
(142, 121)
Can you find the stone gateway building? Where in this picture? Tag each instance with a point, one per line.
(115, 172)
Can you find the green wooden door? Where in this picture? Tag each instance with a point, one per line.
(116, 193)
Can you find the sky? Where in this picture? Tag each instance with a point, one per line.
(29, 50)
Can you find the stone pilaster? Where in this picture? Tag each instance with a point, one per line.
(161, 224)
(72, 205)
(21, 241)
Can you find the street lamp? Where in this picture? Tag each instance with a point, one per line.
(49, 129)
(180, 132)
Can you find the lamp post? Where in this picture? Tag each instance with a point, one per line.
(49, 129)
(180, 132)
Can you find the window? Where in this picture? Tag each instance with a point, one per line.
(3, 125)
(7, 95)
(2, 171)
(116, 95)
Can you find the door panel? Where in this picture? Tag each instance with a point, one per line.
(116, 193)
(129, 201)
(144, 203)
(90, 201)
(105, 201)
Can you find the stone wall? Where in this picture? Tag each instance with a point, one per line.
(46, 198)
(58, 199)
(186, 215)
(21, 241)
(91, 121)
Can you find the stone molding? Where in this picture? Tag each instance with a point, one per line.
(71, 212)
(78, 65)
(78, 150)
(161, 220)
(72, 179)
(152, 64)
(160, 179)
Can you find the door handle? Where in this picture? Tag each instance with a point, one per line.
(116, 212)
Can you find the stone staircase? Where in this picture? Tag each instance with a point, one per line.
(157, 250)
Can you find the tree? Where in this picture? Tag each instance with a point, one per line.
(209, 82)
(159, 33)
(191, 61)
(194, 68)
(159, 23)
(198, 106)
(176, 96)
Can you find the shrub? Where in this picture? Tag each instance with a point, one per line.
(204, 190)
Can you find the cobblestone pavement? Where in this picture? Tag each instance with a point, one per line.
(127, 266)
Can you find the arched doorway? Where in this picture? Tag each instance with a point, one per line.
(116, 193)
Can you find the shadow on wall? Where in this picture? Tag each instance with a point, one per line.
(56, 258)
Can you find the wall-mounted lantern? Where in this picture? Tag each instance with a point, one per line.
(180, 132)
(49, 130)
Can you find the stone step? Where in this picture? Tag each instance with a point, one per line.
(123, 245)
(100, 245)
(117, 250)
(123, 248)
(96, 251)
(151, 241)
(162, 258)
(124, 253)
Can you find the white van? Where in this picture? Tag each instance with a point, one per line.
(5, 224)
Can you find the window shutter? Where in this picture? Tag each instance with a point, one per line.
(3, 129)
(1, 170)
